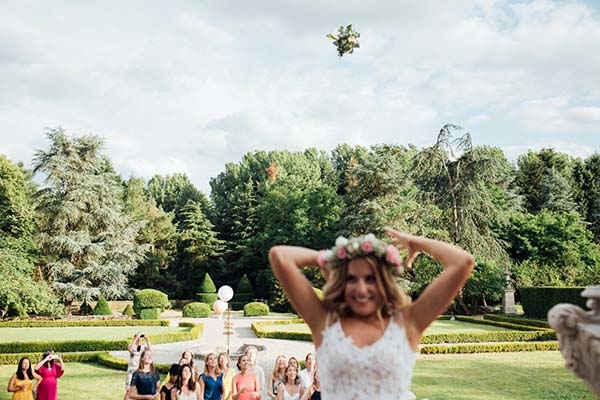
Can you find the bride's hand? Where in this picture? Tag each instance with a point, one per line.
(404, 241)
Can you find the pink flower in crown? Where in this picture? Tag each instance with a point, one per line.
(367, 247)
(341, 253)
(392, 256)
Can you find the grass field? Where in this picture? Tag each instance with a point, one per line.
(80, 333)
(499, 376)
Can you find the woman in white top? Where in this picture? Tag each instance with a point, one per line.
(307, 374)
(291, 388)
(187, 388)
(364, 319)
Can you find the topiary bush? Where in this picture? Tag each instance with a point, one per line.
(128, 311)
(150, 298)
(256, 309)
(208, 291)
(196, 310)
(243, 295)
(85, 309)
(102, 307)
(149, 313)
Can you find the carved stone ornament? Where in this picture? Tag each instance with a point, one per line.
(578, 334)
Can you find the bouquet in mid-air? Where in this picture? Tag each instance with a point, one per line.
(346, 40)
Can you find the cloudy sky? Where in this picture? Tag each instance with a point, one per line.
(188, 86)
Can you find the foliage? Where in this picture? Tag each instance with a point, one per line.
(196, 310)
(542, 177)
(102, 307)
(587, 196)
(150, 298)
(244, 285)
(158, 232)
(128, 310)
(471, 187)
(346, 40)
(149, 313)
(197, 247)
(552, 249)
(88, 242)
(255, 309)
(20, 295)
(537, 301)
(85, 308)
(486, 284)
(207, 285)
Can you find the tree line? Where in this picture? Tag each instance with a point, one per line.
(87, 232)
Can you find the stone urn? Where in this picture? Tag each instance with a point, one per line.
(578, 334)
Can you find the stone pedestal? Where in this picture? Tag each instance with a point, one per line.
(508, 298)
(578, 334)
(508, 302)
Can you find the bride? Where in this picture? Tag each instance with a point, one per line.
(364, 319)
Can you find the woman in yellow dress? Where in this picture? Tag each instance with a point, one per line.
(21, 382)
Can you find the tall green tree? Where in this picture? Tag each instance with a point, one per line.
(587, 176)
(20, 293)
(88, 242)
(198, 247)
(172, 192)
(378, 190)
(542, 177)
(470, 185)
(159, 233)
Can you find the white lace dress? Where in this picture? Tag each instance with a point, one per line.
(382, 370)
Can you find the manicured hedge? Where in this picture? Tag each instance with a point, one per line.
(150, 298)
(537, 301)
(488, 347)
(77, 346)
(255, 309)
(538, 323)
(59, 323)
(196, 310)
(149, 313)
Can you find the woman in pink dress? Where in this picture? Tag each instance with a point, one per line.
(245, 384)
(50, 369)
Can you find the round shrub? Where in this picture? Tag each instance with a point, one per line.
(150, 298)
(196, 310)
(150, 313)
(102, 307)
(128, 311)
(256, 309)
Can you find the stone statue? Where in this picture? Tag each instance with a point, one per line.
(578, 334)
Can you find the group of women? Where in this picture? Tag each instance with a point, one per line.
(288, 382)
(23, 385)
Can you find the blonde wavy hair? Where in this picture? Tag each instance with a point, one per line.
(394, 299)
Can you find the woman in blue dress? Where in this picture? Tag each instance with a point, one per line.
(211, 380)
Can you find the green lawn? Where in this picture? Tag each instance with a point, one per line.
(489, 376)
(533, 375)
(80, 381)
(80, 333)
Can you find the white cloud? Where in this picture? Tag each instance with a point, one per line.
(190, 86)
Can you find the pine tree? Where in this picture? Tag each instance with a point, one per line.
(88, 242)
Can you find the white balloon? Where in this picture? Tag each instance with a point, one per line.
(220, 306)
(225, 293)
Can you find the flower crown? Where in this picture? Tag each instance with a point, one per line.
(362, 246)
